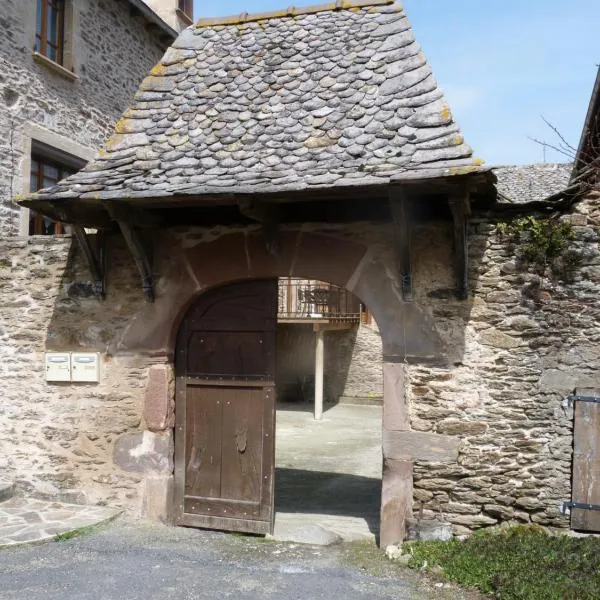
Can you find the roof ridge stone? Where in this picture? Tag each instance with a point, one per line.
(293, 11)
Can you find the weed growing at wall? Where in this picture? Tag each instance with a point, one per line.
(542, 245)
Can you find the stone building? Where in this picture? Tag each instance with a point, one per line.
(62, 89)
(309, 143)
(64, 85)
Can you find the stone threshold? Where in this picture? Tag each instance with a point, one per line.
(28, 521)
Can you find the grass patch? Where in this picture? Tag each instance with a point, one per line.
(73, 533)
(518, 563)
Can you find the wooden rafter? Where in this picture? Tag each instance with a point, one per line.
(138, 217)
(401, 217)
(460, 205)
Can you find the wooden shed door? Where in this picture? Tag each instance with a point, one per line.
(225, 409)
(586, 466)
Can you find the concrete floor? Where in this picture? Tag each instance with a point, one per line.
(328, 473)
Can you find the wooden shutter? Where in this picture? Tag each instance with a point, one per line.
(586, 465)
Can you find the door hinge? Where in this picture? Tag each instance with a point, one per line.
(575, 398)
(581, 505)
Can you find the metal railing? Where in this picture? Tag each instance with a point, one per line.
(312, 300)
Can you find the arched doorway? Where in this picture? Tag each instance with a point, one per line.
(225, 409)
(408, 332)
(226, 406)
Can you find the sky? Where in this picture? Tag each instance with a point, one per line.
(504, 66)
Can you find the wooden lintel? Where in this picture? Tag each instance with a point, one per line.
(141, 256)
(460, 205)
(268, 216)
(401, 217)
(121, 211)
(95, 258)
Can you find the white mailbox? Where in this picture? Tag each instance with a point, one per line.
(85, 366)
(58, 366)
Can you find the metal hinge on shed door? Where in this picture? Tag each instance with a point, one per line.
(583, 427)
(574, 398)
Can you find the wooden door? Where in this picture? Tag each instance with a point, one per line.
(585, 506)
(225, 409)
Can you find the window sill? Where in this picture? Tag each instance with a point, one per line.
(54, 66)
(184, 17)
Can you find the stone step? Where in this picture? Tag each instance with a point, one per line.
(361, 400)
(6, 491)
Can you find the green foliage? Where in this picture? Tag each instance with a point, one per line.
(542, 244)
(519, 563)
(73, 533)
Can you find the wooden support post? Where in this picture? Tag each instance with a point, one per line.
(460, 206)
(401, 216)
(319, 371)
(136, 246)
(95, 258)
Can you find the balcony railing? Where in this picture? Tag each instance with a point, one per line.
(311, 300)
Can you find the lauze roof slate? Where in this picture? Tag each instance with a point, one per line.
(335, 95)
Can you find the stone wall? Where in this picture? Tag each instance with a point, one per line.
(486, 424)
(352, 363)
(112, 52)
(56, 440)
(529, 340)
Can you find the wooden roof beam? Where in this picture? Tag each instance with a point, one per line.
(400, 206)
(460, 205)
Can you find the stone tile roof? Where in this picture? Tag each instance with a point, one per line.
(530, 183)
(333, 95)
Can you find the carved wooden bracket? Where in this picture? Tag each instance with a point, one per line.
(139, 249)
(94, 252)
(460, 205)
(400, 206)
(268, 216)
(95, 255)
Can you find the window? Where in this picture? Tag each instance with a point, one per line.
(187, 8)
(50, 29)
(45, 173)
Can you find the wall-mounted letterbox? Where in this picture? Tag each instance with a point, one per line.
(85, 366)
(58, 366)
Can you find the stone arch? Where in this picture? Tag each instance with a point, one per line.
(190, 267)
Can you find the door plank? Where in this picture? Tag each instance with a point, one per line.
(242, 445)
(586, 465)
(203, 443)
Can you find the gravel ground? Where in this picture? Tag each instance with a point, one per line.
(128, 560)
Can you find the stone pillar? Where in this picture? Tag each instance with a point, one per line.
(397, 476)
(159, 398)
(319, 366)
(159, 415)
(396, 500)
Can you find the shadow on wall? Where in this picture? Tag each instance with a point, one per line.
(339, 494)
(295, 377)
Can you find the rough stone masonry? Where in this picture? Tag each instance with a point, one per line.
(496, 407)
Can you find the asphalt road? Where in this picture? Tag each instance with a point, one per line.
(131, 561)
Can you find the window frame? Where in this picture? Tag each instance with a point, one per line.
(187, 8)
(44, 155)
(42, 42)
